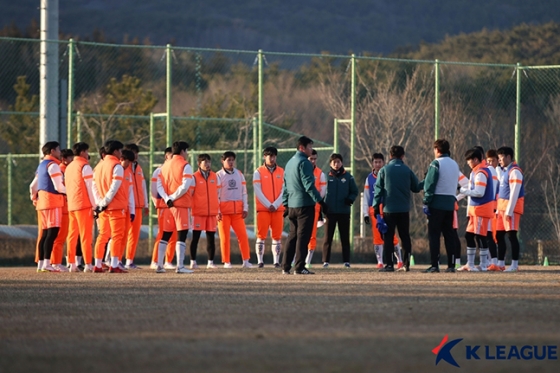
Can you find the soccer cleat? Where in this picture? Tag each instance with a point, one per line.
(379, 265)
(450, 270)
(308, 266)
(404, 269)
(346, 265)
(325, 265)
(81, 268)
(106, 267)
(494, 268)
(457, 266)
(153, 265)
(483, 268)
(228, 265)
(511, 269)
(168, 266)
(261, 265)
(183, 270)
(194, 265)
(117, 270)
(211, 265)
(88, 268)
(304, 271)
(160, 270)
(131, 266)
(74, 268)
(50, 268)
(467, 268)
(387, 269)
(399, 265)
(121, 266)
(61, 268)
(432, 270)
(247, 265)
(98, 270)
(276, 265)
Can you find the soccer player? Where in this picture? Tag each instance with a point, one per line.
(341, 194)
(127, 158)
(268, 185)
(480, 211)
(234, 209)
(79, 178)
(112, 200)
(493, 166)
(160, 205)
(47, 192)
(205, 208)
(378, 161)
(140, 205)
(511, 201)
(321, 186)
(175, 180)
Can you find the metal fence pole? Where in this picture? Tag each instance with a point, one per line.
(436, 100)
(169, 122)
(260, 104)
(518, 115)
(9, 159)
(352, 146)
(335, 138)
(151, 205)
(69, 141)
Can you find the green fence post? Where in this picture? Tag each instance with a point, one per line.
(9, 159)
(436, 100)
(78, 126)
(169, 134)
(518, 115)
(69, 140)
(260, 104)
(255, 165)
(352, 136)
(335, 137)
(151, 205)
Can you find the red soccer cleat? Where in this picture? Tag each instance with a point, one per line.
(117, 270)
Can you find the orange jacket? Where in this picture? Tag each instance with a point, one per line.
(172, 178)
(271, 184)
(103, 177)
(205, 194)
(63, 169)
(76, 189)
(139, 187)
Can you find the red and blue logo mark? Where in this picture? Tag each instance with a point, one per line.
(443, 351)
(499, 352)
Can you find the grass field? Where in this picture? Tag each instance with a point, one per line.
(338, 320)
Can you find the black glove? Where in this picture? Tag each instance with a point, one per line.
(325, 207)
(376, 211)
(366, 220)
(132, 216)
(169, 203)
(348, 201)
(285, 212)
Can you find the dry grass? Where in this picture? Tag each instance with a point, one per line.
(237, 320)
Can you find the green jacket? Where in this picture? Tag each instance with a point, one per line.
(394, 183)
(338, 189)
(299, 183)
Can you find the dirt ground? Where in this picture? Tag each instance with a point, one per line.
(258, 320)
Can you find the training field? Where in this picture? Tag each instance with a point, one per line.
(253, 320)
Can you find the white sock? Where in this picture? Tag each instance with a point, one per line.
(501, 263)
(180, 253)
(210, 262)
(398, 253)
(114, 261)
(99, 263)
(245, 261)
(457, 261)
(162, 247)
(309, 256)
(46, 263)
(193, 262)
(494, 261)
(484, 258)
(471, 253)
(79, 260)
(40, 264)
(379, 253)
(128, 262)
(276, 250)
(259, 249)
(515, 263)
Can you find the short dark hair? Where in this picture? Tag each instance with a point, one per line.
(203, 157)
(505, 150)
(65, 153)
(128, 155)
(473, 153)
(133, 147)
(227, 155)
(112, 145)
(179, 146)
(102, 152)
(442, 145)
(168, 150)
(396, 151)
(378, 156)
(491, 153)
(335, 156)
(479, 148)
(313, 152)
(304, 141)
(79, 147)
(271, 150)
(49, 146)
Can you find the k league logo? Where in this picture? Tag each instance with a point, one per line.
(443, 351)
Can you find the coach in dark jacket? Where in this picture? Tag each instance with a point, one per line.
(394, 183)
(341, 194)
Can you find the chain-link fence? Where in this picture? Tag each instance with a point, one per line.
(219, 100)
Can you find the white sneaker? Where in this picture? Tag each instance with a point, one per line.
(168, 266)
(228, 265)
(88, 268)
(49, 268)
(247, 265)
(183, 270)
(160, 270)
(194, 265)
(153, 265)
(512, 269)
(211, 265)
(467, 268)
(73, 268)
(483, 268)
(61, 268)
